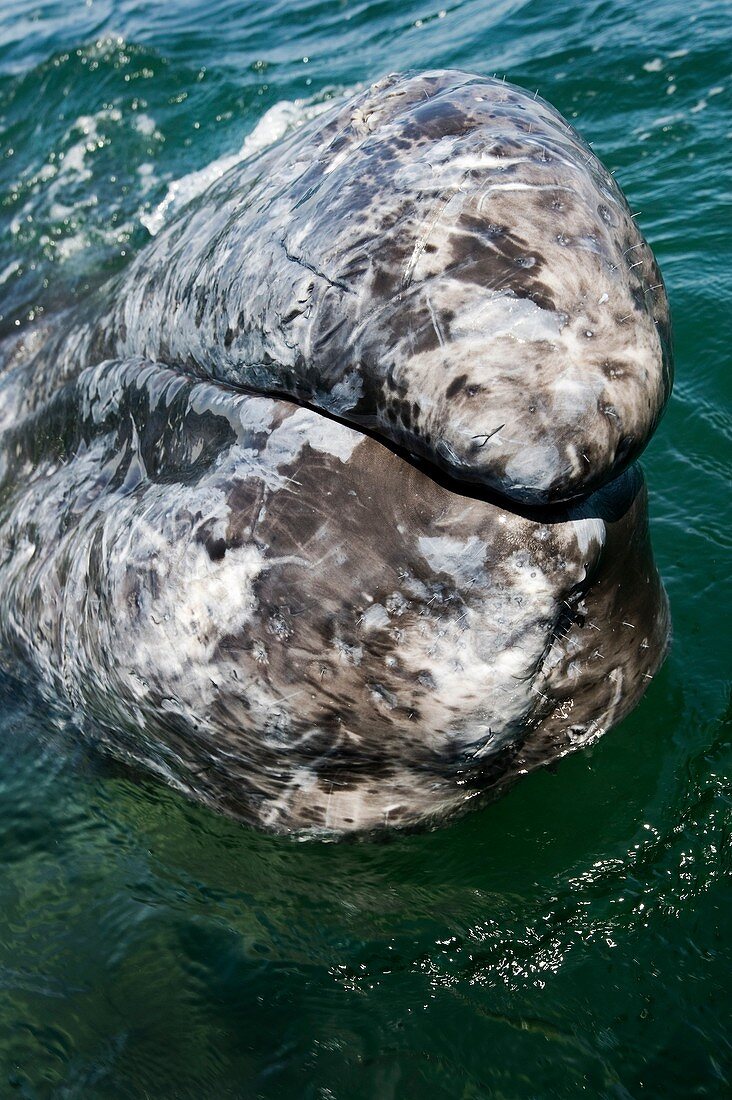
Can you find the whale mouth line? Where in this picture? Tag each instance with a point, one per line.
(593, 504)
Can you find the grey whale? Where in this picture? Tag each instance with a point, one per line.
(325, 509)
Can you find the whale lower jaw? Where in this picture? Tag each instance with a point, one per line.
(285, 619)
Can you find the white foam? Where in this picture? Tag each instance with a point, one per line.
(145, 125)
(63, 191)
(272, 126)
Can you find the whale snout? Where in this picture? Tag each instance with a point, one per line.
(553, 444)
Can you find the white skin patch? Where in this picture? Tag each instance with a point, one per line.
(306, 426)
(374, 617)
(536, 465)
(590, 536)
(504, 315)
(199, 601)
(461, 559)
(257, 413)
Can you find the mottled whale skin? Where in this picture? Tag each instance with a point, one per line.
(290, 617)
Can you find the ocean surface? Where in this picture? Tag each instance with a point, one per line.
(572, 939)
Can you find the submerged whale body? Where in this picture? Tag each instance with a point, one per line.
(324, 510)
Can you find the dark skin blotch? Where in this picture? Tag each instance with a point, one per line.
(492, 256)
(456, 385)
(216, 549)
(638, 298)
(438, 119)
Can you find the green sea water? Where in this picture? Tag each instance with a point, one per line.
(572, 939)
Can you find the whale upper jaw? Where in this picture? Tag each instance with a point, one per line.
(448, 264)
